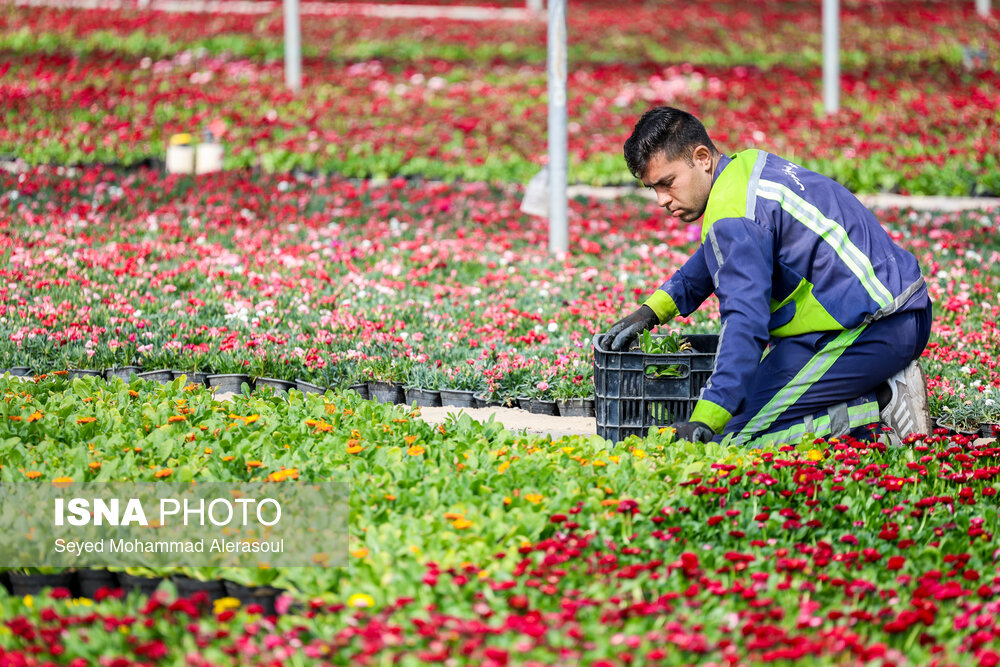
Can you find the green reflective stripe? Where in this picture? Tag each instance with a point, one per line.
(833, 234)
(859, 415)
(814, 369)
(864, 414)
(663, 305)
(730, 195)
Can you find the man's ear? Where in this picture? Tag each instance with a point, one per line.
(702, 157)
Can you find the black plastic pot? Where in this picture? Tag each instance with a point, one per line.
(230, 382)
(425, 398)
(362, 390)
(32, 584)
(265, 596)
(17, 371)
(193, 377)
(165, 376)
(134, 582)
(5, 580)
(309, 387)
(88, 582)
(459, 398)
(483, 402)
(274, 383)
(186, 587)
(543, 407)
(123, 372)
(386, 392)
(84, 372)
(988, 430)
(524, 402)
(576, 407)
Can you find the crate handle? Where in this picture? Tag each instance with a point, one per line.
(657, 360)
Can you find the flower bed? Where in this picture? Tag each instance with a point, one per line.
(474, 544)
(112, 87)
(431, 286)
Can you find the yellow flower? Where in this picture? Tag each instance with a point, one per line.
(502, 468)
(567, 450)
(814, 455)
(639, 453)
(222, 604)
(462, 524)
(533, 498)
(415, 450)
(29, 601)
(360, 553)
(62, 480)
(506, 500)
(361, 600)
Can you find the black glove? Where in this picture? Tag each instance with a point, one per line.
(622, 333)
(693, 431)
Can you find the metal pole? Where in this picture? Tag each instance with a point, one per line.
(293, 46)
(831, 55)
(558, 225)
(983, 7)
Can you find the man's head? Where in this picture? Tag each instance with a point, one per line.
(670, 152)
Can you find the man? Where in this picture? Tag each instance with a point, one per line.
(823, 315)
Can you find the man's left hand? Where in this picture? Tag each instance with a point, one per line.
(693, 431)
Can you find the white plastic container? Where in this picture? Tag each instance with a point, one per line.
(208, 158)
(180, 159)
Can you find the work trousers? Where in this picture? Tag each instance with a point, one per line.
(824, 383)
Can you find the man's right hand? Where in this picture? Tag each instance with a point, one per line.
(622, 333)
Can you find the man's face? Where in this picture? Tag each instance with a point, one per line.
(681, 188)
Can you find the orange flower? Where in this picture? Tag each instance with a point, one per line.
(282, 475)
(35, 416)
(95, 465)
(62, 481)
(353, 446)
(390, 497)
(415, 450)
(14, 418)
(86, 420)
(409, 439)
(462, 524)
(254, 464)
(227, 459)
(133, 393)
(176, 418)
(32, 474)
(166, 472)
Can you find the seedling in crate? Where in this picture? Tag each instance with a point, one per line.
(669, 344)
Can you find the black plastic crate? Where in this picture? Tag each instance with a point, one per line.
(628, 401)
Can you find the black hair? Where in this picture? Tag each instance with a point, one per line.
(677, 133)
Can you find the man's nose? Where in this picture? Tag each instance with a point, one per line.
(663, 199)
